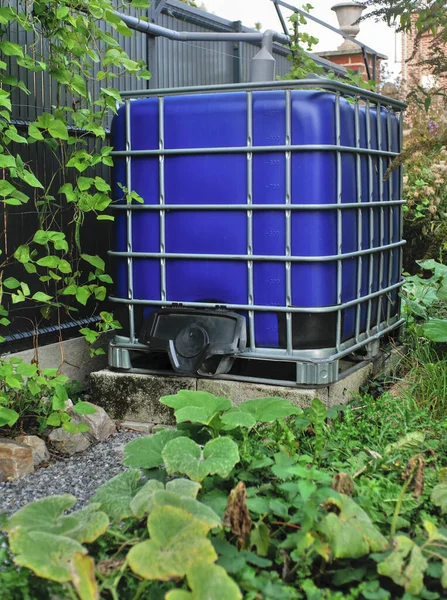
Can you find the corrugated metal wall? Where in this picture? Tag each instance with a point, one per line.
(173, 64)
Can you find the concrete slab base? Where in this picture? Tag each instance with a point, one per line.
(135, 397)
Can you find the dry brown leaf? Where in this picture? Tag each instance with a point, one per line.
(237, 516)
(343, 484)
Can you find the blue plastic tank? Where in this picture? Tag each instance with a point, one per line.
(322, 172)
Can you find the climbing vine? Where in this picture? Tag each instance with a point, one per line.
(74, 48)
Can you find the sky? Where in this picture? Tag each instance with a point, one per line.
(376, 35)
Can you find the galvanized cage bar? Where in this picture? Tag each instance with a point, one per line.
(161, 175)
(339, 237)
(288, 214)
(251, 315)
(129, 224)
(358, 175)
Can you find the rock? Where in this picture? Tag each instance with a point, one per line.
(71, 443)
(137, 426)
(40, 451)
(100, 424)
(2, 476)
(16, 460)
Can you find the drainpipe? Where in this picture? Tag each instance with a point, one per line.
(263, 64)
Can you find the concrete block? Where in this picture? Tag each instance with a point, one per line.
(342, 391)
(72, 356)
(239, 391)
(135, 397)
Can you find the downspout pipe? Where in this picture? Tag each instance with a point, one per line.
(263, 64)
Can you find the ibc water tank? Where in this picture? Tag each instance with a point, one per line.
(265, 229)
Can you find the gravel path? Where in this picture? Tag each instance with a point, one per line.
(79, 475)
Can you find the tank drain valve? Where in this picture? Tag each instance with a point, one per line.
(203, 342)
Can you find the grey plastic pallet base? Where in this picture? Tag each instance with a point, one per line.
(306, 373)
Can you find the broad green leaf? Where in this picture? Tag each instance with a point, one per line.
(51, 262)
(7, 161)
(8, 416)
(411, 441)
(178, 595)
(406, 565)
(11, 283)
(48, 555)
(26, 369)
(34, 132)
(177, 541)
(196, 407)
(184, 487)
(47, 515)
(267, 410)
(439, 496)
(6, 188)
(96, 261)
(142, 502)
(116, 495)
(145, 452)
(11, 49)
(82, 569)
(31, 179)
(198, 510)
(236, 417)
(349, 531)
(260, 538)
(41, 297)
(211, 582)
(57, 129)
(22, 254)
(184, 456)
(82, 294)
(435, 330)
(84, 408)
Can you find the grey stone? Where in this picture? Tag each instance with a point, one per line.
(135, 397)
(136, 426)
(38, 447)
(100, 424)
(70, 443)
(239, 391)
(16, 460)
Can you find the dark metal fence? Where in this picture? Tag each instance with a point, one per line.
(172, 64)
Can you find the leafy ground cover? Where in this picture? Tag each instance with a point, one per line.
(263, 500)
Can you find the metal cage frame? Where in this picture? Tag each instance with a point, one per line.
(319, 366)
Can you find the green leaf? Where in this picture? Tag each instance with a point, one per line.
(177, 541)
(34, 132)
(57, 129)
(236, 417)
(6, 188)
(48, 555)
(82, 571)
(406, 565)
(184, 487)
(145, 452)
(96, 261)
(412, 441)
(11, 283)
(26, 369)
(54, 419)
(116, 495)
(208, 582)
(194, 507)
(50, 262)
(84, 183)
(435, 330)
(184, 456)
(439, 496)
(196, 407)
(41, 297)
(10, 49)
(31, 179)
(349, 531)
(8, 416)
(7, 161)
(82, 294)
(267, 410)
(22, 254)
(142, 502)
(84, 408)
(260, 538)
